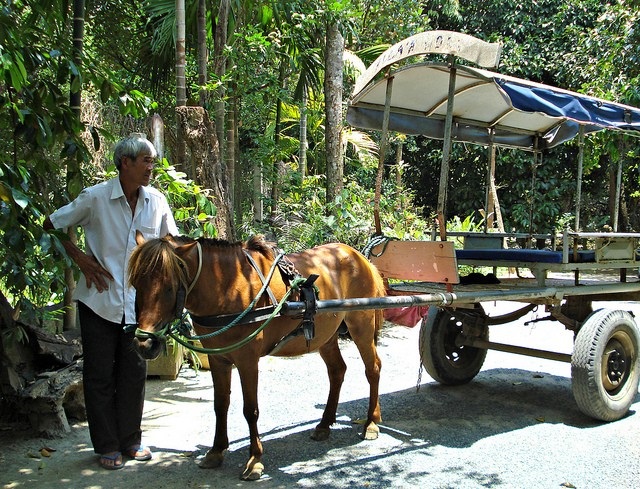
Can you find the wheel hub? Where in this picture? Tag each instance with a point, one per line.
(614, 365)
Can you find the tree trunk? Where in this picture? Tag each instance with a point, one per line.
(278, 165)
(10, 381)
(219, 68)
(181, 88)
(203, 54)
(73, 165)
(333, 110)
(234, 151)
(231, 161)
(258, 208)
(157, 128)
(202, 149)
(304, 145)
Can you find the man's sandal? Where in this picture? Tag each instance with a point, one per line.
(139, 453)
(111, 461)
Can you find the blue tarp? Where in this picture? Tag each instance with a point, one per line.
(594, 114)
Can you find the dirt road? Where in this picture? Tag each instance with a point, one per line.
(515, 426)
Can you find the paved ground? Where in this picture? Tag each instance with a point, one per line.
(515, 426)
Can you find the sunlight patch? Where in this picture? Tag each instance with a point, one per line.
(385, 445)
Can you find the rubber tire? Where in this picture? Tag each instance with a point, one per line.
(445, 362)
(607, 336)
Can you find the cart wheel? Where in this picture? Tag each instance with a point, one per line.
(604, 364)
(443, 360)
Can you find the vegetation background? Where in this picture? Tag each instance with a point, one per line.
(266, 83)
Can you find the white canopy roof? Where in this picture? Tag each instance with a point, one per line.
(487, 107)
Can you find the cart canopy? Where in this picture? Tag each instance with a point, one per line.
(488, 107)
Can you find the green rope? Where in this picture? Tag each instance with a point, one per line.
(374, 241)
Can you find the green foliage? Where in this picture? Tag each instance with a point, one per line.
(305, 220)
(273, 52)
(585, 46)
(40, 138)
(30, 277)
(192, 208)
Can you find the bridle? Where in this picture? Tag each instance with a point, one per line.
(183, 292)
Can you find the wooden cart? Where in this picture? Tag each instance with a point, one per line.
(460, 103)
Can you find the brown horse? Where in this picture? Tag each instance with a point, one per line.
(221, 279)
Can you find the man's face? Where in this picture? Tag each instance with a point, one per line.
(140, 169)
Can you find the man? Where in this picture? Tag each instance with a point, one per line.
(114, 374)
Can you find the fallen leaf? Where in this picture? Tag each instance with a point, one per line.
(540, 419)
(44, 452)
(568, 484)
(48, 449)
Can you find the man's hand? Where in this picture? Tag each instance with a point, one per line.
(94, 273)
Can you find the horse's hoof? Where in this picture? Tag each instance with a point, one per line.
(253, 472)
(371, 432)
(320, 434)
(212, 460)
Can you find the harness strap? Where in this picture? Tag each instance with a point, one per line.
(259, 272)
(237, 318)
(309, 296)
(304, 286)
(195, 279)
(220, 320)
(245, 317)
(226, 349)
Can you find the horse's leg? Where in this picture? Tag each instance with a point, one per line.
(336, 368)
(362, 327)
(221, 374)
(248, 371)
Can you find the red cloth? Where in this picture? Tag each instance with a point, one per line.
(406, 316)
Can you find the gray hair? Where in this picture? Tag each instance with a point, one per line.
(134, 145)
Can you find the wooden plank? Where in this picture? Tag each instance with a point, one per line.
(428, 261)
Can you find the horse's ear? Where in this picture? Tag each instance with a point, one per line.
(169, 238)
(139, 238)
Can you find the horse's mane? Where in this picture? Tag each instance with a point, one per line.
(254, 243)
(156, 253)
(159, 253)
(258, 243)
